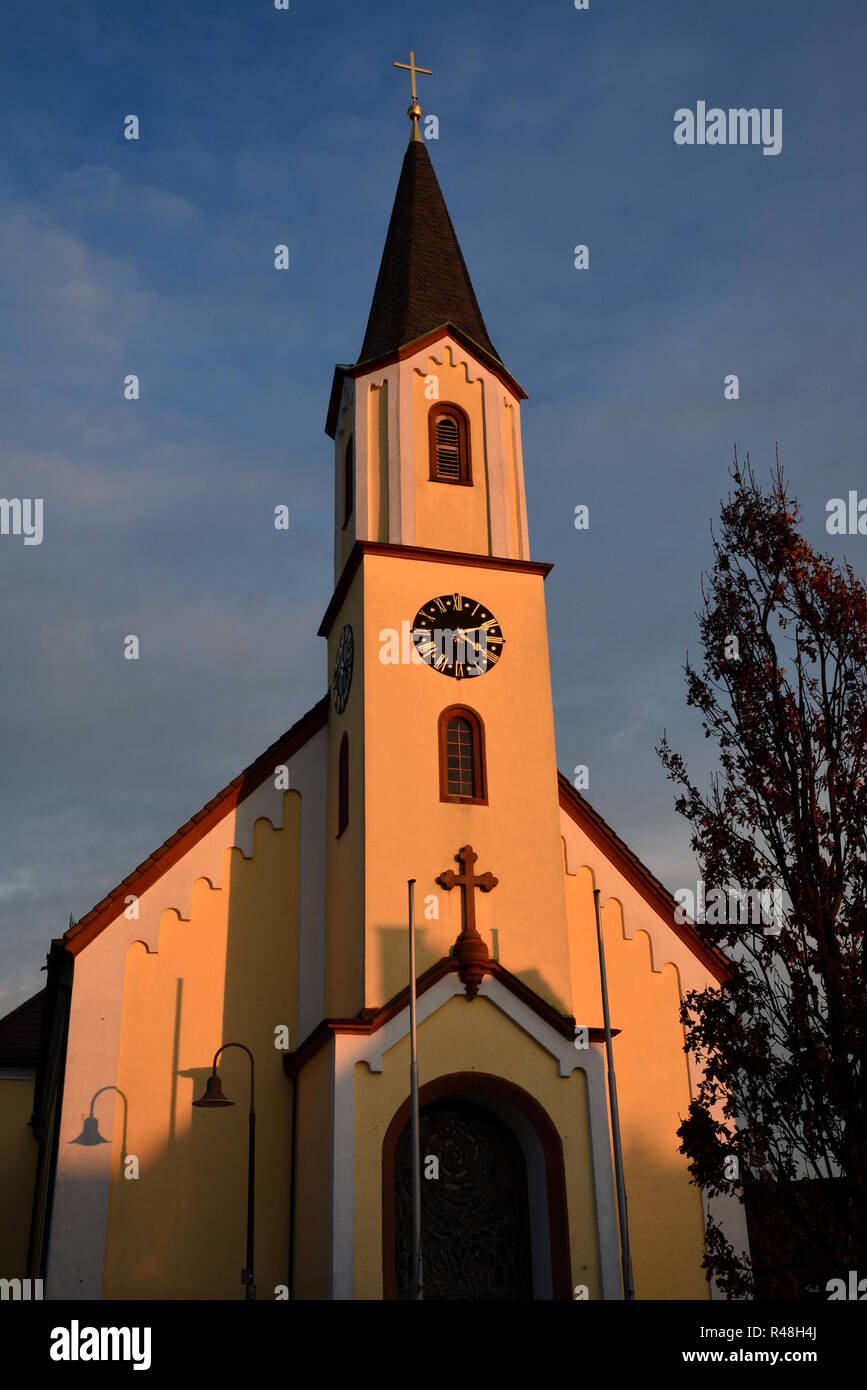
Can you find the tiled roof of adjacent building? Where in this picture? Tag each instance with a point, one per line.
(19, 1034)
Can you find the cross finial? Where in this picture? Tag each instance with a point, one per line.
(413, 110)
(470, 949)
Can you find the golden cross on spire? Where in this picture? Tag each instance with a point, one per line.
(413, 110)
(411, 68)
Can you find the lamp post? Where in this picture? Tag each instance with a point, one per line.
(213, 1099)
(623, 1220)
(90, 1136)
(417, 1279)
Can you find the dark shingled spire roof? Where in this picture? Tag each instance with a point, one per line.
(423, 281)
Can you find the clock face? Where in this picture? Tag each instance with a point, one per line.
(457, 636)
(343, 669)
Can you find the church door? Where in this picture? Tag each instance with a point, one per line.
(475, 1213)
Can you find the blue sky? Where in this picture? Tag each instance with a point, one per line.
(155, 257)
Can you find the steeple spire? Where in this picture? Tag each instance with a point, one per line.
(423, 282)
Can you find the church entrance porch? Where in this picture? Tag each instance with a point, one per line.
(493, 1195)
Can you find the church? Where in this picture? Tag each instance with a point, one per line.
(276, 919)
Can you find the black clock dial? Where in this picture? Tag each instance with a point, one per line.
(457, 636)
(343, 669)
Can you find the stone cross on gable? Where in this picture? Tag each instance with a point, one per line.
(469, 949)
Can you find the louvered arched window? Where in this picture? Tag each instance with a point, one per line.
(462, 756)
(343, 785)
(348, 479)
(449, 438)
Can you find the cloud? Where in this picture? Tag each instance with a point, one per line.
(16, 884)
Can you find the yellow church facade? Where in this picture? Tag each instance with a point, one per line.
(277, 918)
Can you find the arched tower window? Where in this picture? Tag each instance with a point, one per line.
(348, 479)
(343, 785)
(449, 443)
(463, 776)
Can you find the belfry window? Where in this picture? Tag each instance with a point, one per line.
(343, 785)
(348, 479)
(462, 756)
(449, 442)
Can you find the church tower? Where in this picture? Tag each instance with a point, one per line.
(441, 728)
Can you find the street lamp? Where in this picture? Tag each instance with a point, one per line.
(213, 1099)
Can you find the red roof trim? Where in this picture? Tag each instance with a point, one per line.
(640, 877)
(371, 1020)
(419, 552)
(176, 846)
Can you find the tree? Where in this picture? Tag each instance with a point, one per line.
(782, 690)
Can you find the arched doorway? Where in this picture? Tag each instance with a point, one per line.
(494, 1221)
(475, 1209)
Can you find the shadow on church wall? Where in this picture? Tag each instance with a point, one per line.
(228, 974)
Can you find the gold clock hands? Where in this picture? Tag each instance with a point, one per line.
(480, 627)
(488, 655)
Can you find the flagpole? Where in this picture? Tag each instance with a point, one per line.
(626, 1258)
(417, 1280)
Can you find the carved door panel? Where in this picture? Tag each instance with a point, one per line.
(475, 1214)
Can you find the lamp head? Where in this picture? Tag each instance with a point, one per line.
(213, 1097)
(90, 1134)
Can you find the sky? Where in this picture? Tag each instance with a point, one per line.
(155, 257)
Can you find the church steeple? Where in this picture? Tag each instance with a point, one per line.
(423, 282)
(426, 423)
